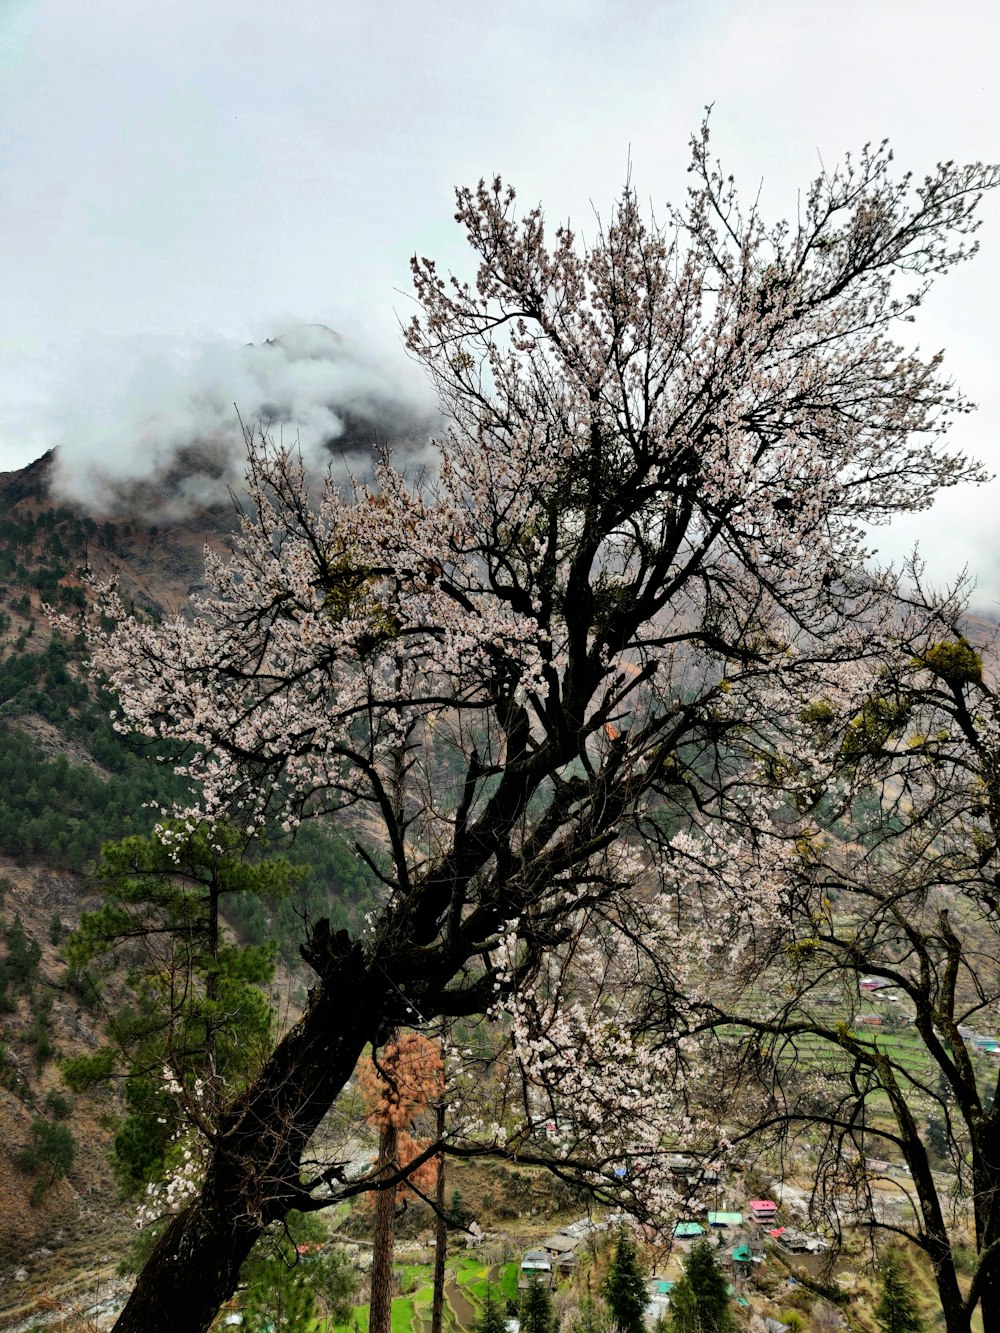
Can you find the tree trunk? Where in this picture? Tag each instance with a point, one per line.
(380, 1311)
(440, 1234)
(193, 1269)
(989, 1303)
(252, 1178)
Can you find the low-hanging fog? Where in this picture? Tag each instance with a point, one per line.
(154, 428)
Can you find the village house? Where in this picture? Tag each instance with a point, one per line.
(657, 1301)
(536, 1266)
(741, 1259)
(793, 1241)
(561, 1249)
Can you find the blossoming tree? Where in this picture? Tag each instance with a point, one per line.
(891, 894)
(645, 526)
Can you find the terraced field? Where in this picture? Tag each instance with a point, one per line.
(466, 1282)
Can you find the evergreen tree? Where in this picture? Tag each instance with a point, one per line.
(196, 1004)
(684, 1317)
(536, 1308)
(708, 1287)
(293, 1279)
(491, 1319)
(458, 1214)
(48, 1156)
(624, 1288)
(896, 1311)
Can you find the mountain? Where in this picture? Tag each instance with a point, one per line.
(68, 783)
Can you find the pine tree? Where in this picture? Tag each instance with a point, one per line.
(624, 1288)
(708, 1286)
(684, 1316)
(404, 1082)
(491, 1318)
(536, 1308)
(896, 1311)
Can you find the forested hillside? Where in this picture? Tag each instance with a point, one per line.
(71, 783)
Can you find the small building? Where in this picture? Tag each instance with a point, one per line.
(873, 983)
(722, 1220)
(688, 1230)
(742, 1259)
(683, 1164)
(793, 1241)
(536, 1266)
(561, 1248)
(763, 1210)
(657, 1301)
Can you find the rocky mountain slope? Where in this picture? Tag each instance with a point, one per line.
(68, 783)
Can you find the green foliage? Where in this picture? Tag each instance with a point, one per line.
(195, 1002)
(292, 1278)
(458, 1214)
(879, 720)
(48, 1155)
(19, 968)
(684, 1316)
(331, 882)
(592, 1317)
(81, 1072)
(39, 1033)
(491, 1317)
(536, 1309)
(624, 1288)
(820, 715)
(57, 1105)
(64, 812)
(896, 1311)
(699, 1303)
(937, 1138)
(61, 810)
(957, 663)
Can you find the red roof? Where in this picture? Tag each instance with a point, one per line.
(764, 1205)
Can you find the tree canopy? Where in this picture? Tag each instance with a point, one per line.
(556, 664)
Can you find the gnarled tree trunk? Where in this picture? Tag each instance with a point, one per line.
(253, 1174)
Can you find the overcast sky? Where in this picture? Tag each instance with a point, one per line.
(203, 173)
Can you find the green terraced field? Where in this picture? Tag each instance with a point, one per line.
(411, 1312)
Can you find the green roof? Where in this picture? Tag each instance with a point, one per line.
(688, 1229)
(725, 1219)
(743, 1254)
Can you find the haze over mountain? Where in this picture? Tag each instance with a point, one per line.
(157, 430)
